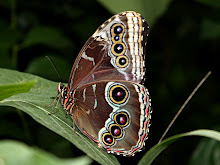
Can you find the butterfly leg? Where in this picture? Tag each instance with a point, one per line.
(74, 128)
(55, 105)
(52, 101)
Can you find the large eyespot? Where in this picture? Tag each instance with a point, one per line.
(122, 119)
(118, 94)
(118, 49)
(122, 61)
(108, 139)
(115, 131)
(117, 29)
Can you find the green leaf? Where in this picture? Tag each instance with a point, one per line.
(38, 66)
(150, 10)
(5, 3)
(210, 30)
(9, 89)
(8, 36)
(12, 152)
(157, 149)
(207, 152)
(211, 3)
(33, 103)
(46, 35)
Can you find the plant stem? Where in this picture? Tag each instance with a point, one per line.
(13, 27)
(184, 104)
(13, 14)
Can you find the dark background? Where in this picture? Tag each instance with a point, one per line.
(182, 47)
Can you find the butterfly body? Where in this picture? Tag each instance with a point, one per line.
(105, 95)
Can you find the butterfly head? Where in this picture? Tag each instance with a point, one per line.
(62, 89)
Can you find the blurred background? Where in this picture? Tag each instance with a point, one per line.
(182, 47)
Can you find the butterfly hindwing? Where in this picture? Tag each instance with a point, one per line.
(116, 115)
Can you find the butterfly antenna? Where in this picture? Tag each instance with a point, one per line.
(55, 68)
(184, 104)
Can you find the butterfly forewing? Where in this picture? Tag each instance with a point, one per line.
(114, 52)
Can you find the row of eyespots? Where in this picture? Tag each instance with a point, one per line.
(118, 47)
(121, 119)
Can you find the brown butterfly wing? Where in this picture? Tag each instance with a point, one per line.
(117, 110)
(110, 54)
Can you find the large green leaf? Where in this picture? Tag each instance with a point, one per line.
(214, 30)
(157, 149)
(211, 3)
(15, 88)
(33, 103)
(207, 152)
(44, 64)
(12, 152)
(46, 35)
(150, 10)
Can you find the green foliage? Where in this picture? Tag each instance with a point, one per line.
(157, 149)
(210, 30)
(46, 35)
(12, 89)
(207, 152)
(33, 103)
(12, 153)
(212, 3)
(42, 61)
(150, 10)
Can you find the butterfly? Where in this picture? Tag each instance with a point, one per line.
(105, 95)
